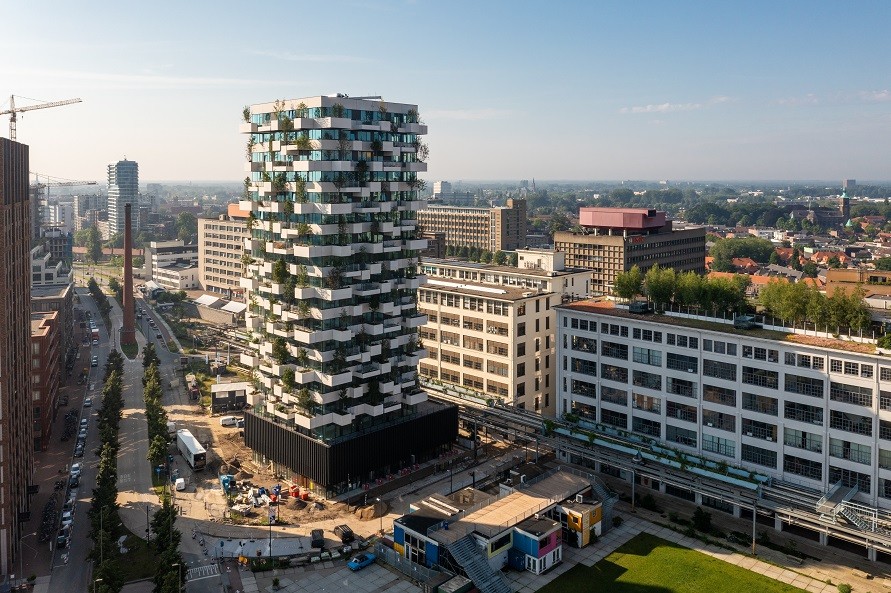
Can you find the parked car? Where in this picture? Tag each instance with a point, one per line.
(95, 361)
(75, 469)
(84, 422)
(74, 481)
(63, 537)
(88, 402)
(82, 434)
(79, 451)
(95, 343)
(360, 561)
(67, 518)
(159, 336)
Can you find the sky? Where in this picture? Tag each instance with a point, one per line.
(592, 90)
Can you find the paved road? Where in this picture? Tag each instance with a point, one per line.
(71, 571)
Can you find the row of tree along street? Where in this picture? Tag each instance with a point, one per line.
(105, 523)
(101, 300)
(169, 572)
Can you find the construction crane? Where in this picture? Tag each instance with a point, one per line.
(56, 181)
(13, 111)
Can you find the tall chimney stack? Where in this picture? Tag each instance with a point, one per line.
(128, 331)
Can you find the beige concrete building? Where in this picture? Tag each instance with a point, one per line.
(491, 329)
(613, 240)
(493, 229)
(220, 251)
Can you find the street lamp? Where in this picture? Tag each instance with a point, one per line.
(378, 500)
(94, 584)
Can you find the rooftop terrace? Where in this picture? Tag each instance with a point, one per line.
(725, 325)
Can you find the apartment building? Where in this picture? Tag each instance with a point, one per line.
(615, 239)
(502, 228)
(221, 250)
(333, 291)
(46, 354)
(491, 330)
(813, 411)
(48, 271)
(16, 427)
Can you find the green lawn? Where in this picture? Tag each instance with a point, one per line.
(648, 564)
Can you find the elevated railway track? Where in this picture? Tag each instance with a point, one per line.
(629, 456)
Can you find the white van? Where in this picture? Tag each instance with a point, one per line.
(180, 484)
(228, 421)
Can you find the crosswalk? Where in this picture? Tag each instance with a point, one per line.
(199, 572)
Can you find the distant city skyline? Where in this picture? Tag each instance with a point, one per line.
(570, 91)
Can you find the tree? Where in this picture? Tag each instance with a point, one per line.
(810, 269)
(774, 258)
(702, 520)
(288, 379)
(280, 350)
(157, 451)
(688, 290)
(187, 227)
(94, 245)
(660, 285)
(305, 399)
(629, 284)
(883, 263)
(834, 262)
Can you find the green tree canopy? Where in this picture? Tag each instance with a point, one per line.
(629, 284)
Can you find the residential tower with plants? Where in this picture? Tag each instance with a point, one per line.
(331, 283)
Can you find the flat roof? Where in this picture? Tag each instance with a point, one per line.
(501, 269)
(506, 293)
(510, 510)
(537, 527)
(608, 308)
(49, 290)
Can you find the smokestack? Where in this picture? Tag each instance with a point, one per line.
(128, 331)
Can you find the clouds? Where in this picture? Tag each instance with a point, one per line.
(673, 107)
(876, 96)
(145, 81)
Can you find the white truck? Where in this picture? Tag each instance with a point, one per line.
(194, 454)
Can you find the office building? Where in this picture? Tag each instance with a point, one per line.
(441, 189)
(177, 276)
(333, 292)
(16, 427)
(221, 251)
(46, 357)
(806, 410)
(613, 240)
(162, 254)
(123, 188)
(491, 229)
(491, 330)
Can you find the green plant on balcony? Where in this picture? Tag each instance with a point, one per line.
(246, 114)
(288, 208)
(302, 358)
(280, 183)
(249, 149)
(337, 110)
(302, 276)
(279, 271)
(334, 279)
(422, 150)
(265, 176)
(304, 232)
(246, 194)
(280, 351)
(338, 363)
(288, 379)
(385, 187)
(287, 127)
(361, 172)
(374, 303)
(303, 309)
(344, 397)
(362, 338)
(377, 147)
(374, 394)
(251, 221)
(304, 399)
(300, 190)
(412, 117)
